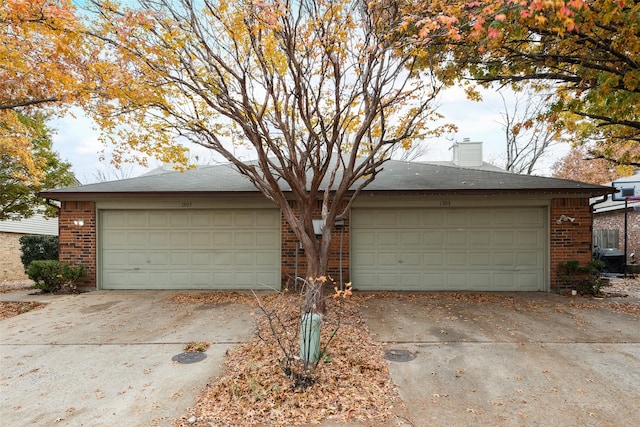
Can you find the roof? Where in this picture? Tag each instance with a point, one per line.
(396, 176)
(37, 224)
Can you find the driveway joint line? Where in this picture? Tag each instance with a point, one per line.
(5, 344)
(508, 342)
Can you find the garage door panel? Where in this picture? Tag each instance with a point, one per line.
(222, 219)
(387, 259)
(504, 217)
(432, 258)
(201, 238)
(244, 259)
(409, 239)
(179, 220)
(387, 239)
(456, 218)
(410, 219)
(529, 238)
(480, 259)
(208, 249)
(364, 259)
(503, 259)
(531, 218)
(456, 259)
(504, 238)
(481, 218)
(266, 258)
(411, 258)
(462, 249)
(431, 218)
(433, 238)
(243, 239)
(457, 237)
(180, 259)
(222, 238)
(201, 259)
(156, 239)
(243, 219)
(201, 220)
(479, 238)
(266, 239)
(528, 259)
(434, 281)
(222, 258)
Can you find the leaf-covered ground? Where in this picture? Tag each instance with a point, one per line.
(10, 309)
(352, 382)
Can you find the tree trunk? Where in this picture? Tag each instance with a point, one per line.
(315, 280)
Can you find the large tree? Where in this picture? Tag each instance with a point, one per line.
(18, 187)
(580, 165)
(314, 90)
(588, 51)
(44, 64)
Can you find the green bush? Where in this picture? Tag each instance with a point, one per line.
(55, 276)
(584, 279)
(37, 247)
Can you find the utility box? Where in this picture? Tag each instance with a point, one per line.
(310, 337)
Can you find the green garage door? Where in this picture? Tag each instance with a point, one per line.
(199, 249)
(489, 249)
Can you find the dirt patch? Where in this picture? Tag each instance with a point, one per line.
(10, 309)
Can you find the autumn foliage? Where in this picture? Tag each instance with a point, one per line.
(587, 51)
(44, 63)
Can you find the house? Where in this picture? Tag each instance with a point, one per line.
(11, 267)
(418, 226)
(609, 218)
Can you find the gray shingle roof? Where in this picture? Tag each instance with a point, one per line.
(395, 176)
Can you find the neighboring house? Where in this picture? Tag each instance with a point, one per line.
(11, 267)
(609, 219)
(418, 226)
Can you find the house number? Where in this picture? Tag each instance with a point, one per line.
(186, 204)
(445, 202)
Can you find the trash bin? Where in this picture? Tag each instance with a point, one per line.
(613, 259)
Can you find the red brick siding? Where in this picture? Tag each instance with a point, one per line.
(288, 253)
(614, 220)
(569, 240)
(78, 243)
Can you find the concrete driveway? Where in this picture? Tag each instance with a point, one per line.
(511, 360)
(104, 358)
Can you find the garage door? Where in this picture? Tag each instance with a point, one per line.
(491, 249)
(208, 249)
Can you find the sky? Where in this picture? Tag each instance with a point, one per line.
(76, 139)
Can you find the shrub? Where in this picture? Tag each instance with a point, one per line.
(585, 279)
(37, 247)
(55, 276)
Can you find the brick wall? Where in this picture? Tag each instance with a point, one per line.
(614, 220)
(288, 253)
(569, 240)
(11, 267)
(78, 243)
